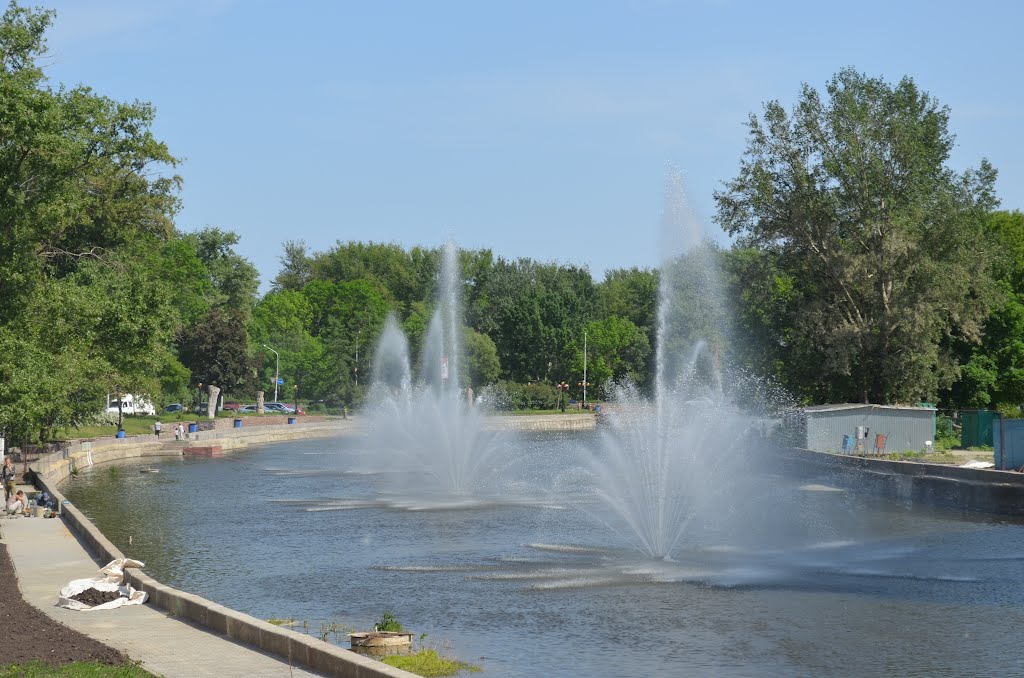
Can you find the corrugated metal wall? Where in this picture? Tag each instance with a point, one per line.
(906, 429)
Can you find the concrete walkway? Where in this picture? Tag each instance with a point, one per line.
(47, 555)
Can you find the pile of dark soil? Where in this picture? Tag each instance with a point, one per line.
(94, 597)
(27, 634)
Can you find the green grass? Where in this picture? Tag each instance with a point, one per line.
(133, 425)
(934, 458)
(39, 669)
(429, 663)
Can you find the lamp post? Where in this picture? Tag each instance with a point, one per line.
(277, 369)
(584, 384)
(562, 389)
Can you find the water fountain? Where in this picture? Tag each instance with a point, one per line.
(669, 465)
(438, 443)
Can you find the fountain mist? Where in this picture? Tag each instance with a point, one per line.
(425, 429)
(666, 465)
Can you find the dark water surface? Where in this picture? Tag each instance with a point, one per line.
(840, 584)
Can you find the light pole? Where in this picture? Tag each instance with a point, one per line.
(277, 369)
(358, 332)
(563, 388)
(584, 368)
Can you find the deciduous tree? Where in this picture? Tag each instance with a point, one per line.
(884, 242)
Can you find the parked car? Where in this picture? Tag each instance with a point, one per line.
(201, 408)
(231, 405)
(278, 407)
(247, 408)
(175, 408)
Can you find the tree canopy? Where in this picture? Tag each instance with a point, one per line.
(882, 247)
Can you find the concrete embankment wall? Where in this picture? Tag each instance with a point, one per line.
(978, 490)
(542, 422)
(239, 627)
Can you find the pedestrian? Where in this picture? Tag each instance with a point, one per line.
(181, 431)
(156, 428)
(7, 474)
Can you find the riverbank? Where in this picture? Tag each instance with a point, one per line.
(175, 633)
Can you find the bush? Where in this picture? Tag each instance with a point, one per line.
(508, 395)
(388, 623)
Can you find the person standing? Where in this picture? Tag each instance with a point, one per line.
(156, 428)
(7, 475)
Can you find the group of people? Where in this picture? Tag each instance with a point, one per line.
(15, 500)
(179, 430)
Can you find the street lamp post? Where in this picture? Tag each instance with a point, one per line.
(562, 389)
(277, 369)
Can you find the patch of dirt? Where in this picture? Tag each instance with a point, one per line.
(94, 597)
(27, 634)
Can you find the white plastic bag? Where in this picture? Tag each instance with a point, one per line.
(111, 579)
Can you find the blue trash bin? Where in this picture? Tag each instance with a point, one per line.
(238, 423)
(291, 420)
(120, 434)
(192, 428)
(847, 443)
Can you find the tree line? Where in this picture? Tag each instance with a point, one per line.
(862, 268)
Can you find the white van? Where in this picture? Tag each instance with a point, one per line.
(130, 405)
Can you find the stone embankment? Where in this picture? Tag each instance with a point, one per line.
(966, 489)
(542, 422)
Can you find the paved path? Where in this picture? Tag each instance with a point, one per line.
(47, 555)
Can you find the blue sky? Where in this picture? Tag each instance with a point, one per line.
(538, 129)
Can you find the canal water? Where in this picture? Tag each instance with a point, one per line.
(537, 584)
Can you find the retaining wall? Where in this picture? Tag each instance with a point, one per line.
(542, 422)
(980, 490)
(237, 626)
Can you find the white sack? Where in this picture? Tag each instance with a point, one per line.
(111, 579)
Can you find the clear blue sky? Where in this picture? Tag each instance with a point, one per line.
(537, 129)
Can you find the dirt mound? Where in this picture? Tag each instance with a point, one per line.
(94, 597)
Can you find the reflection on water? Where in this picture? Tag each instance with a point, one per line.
(838, 584)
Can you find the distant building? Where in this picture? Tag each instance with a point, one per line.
(825, 428)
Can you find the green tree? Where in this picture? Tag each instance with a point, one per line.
(617, 350)
(481, 364)
(86, 206)
(886, 244)
(993, 372)
(233, 280)
(282, 320)
(216, 350)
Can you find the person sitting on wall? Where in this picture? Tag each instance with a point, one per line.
(17, 503)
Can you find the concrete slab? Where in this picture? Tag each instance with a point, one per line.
(47, 555)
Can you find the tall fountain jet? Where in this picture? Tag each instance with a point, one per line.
(424, 428)
(667, 462)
